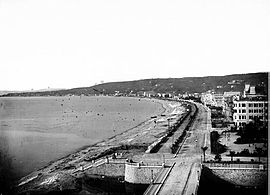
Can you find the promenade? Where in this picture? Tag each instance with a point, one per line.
(184, 176)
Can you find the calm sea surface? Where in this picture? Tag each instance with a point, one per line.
(37, 130)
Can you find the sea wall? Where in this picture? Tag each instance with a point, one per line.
(140, 174)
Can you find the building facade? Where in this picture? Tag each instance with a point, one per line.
(247, 110)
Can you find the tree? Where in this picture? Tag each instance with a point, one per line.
(232, 153)
(204, 149)
(259, 152)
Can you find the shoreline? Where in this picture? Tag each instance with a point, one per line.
(106, 139)
(139, 136)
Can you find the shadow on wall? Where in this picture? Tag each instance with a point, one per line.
(211, 184)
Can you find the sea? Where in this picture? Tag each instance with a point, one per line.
(35, 131)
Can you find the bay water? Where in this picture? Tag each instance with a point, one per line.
(37, 130)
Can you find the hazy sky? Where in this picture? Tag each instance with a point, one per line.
(75, 43)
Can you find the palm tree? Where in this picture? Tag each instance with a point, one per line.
(204, 149)
(259, 152)
(232, 153)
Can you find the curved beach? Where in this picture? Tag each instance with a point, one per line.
(135, 139)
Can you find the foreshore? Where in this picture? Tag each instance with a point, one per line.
(59, 174)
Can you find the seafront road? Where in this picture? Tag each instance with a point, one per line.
(184, 176)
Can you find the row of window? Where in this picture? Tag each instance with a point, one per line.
(252, 111)
(244, 123)
(253, 117)
(255, 111)
(243, 117)
(251, 105)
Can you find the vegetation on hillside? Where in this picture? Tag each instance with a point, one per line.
(234, 82)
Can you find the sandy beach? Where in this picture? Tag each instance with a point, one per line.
(135, 140)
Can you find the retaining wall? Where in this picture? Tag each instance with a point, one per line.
(241, 174)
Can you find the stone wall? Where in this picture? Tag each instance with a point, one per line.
(134, 173)
(108, 169)
(243, 177)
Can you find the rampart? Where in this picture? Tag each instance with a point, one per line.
(141, 174)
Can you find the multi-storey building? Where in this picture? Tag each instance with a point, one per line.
(247, 110)
(207, 99)
(219, 100)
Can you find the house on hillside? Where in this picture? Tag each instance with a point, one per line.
(150, 94)
(140, 93)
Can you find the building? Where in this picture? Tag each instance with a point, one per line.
(247, 110)
(219, 100)
(207, 99)
(150, 94)
(228, 94)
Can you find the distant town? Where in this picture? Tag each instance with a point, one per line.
(236, 99)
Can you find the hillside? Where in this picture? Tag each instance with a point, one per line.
(234, 82)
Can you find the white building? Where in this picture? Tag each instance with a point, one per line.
(207, 99)
(228, 94)
(219, 100)
(246, 110)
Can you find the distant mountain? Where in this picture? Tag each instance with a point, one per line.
(4, 92)
(7, 92)
(220, 84)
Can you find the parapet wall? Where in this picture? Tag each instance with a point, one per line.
(140, 174)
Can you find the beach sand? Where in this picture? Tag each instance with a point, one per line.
(136, 139)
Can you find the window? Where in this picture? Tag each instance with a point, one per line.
(250, 117)
(243, 117)
(260, 104)
(250, 111)
(260, 111)
(255, 111)
(239, 117)
(255, 105)
(239, 105)
(250, 105)
(243, 105)
(239, 111)
(243, 111)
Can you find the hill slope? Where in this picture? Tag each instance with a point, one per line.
(234, 82)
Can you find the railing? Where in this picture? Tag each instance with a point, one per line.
(235, 166)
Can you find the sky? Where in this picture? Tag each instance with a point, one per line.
(78, 43)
